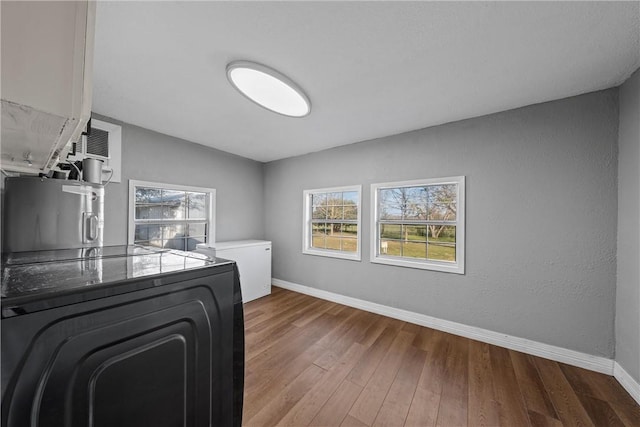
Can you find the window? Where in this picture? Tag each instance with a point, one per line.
(419, 224)
(332, 222)
(170, 216)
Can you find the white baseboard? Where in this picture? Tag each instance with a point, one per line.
(559, 354)
(627, 382)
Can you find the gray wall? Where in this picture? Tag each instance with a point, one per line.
(627, 329)
(151, 156)
(541, 221)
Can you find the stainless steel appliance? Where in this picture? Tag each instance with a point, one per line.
(52, 214)
(155, 339)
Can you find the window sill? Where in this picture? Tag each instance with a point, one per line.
(445, 267)
(333, 254)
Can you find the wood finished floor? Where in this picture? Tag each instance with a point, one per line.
(311, 362)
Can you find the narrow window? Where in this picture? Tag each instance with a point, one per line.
(332, 222)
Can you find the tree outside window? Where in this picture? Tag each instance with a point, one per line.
(419, 221)
(332, 222)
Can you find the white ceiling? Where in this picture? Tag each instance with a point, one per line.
(371, 69)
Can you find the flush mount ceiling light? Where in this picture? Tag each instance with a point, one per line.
(268, 88)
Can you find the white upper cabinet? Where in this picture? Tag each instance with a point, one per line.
(47, 60)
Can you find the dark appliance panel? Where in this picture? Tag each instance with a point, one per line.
(168, 352)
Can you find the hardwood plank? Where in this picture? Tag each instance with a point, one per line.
(424, 338)
(535, 395)
(307, 407)
(368, 404)
(597, 393)
(374, 330)
(284, 299)
(248, 316)
(314, 331)
(578, 378)
(267, 384)
(565, 401)
(601, 413)
(423, 411)
(342, 337)
(250, 319)
(628, 414)
(395, 406)
(453, 408)
(337, 407)
(268, 339)
(275, 297)
(426, 400)
(289, 314)
(265, 365)
(272, 321)
(432, 376)
(267, 307)
(511, 406)
(367, 365)
(271, 303)
(483, 409)
(337, 308)
(412, 328)
(327, 359)
(272, 412)
(269, 364)
(540, 420)
(308, 315)
(350, 421)
(595, 384)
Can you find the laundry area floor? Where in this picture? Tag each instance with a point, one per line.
(315, 362)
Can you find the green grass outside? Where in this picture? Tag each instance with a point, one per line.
(416, 250)
(414, 243)
(438, 249)
(339, 242)
(417, 233)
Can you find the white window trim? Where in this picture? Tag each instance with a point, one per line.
(211, 235)
(306, 222)
(449, 267)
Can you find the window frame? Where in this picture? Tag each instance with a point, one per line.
(210, 236)
(307, 221)
(458, 266)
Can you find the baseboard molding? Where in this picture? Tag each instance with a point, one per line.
(559, 354)
(627, 382)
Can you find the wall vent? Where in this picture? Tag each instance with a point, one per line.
(98, 143)
(104, 143)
